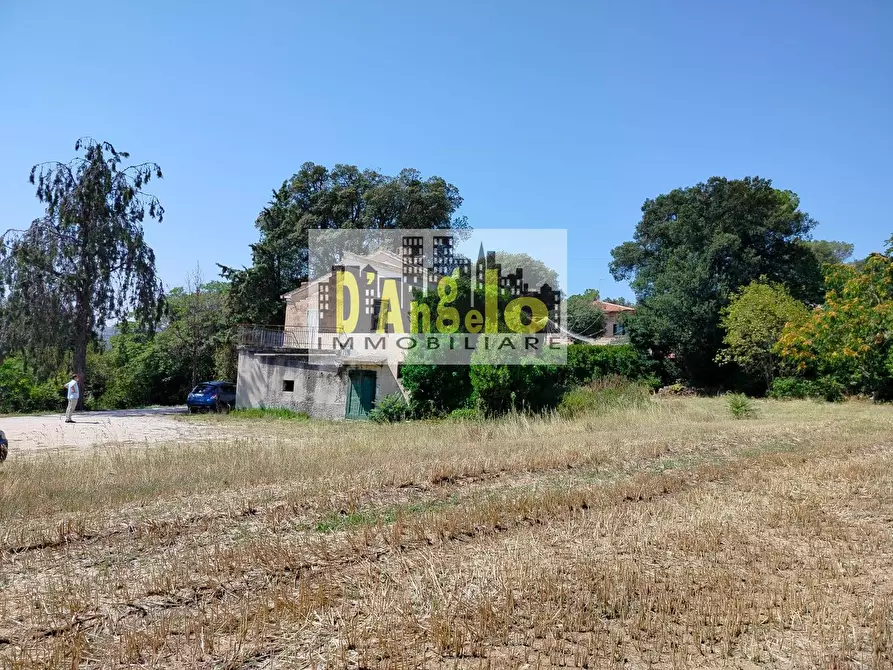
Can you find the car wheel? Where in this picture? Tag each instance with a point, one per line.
(192, 410)
(4, 451)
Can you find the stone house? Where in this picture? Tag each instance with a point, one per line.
(300, 367)
(615, 328)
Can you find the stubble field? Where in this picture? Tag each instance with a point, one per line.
(664, 536)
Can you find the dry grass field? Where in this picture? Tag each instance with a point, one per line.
(669, 536)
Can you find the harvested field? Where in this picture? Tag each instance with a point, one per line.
(669, 536)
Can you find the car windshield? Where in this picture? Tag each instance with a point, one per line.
(203, 388)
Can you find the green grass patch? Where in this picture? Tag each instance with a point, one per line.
(384, 515)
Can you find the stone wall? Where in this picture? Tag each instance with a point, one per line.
(320, 390)
(296, 306)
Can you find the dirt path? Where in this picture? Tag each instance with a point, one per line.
(137, 426)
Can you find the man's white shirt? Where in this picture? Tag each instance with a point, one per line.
(73, 391)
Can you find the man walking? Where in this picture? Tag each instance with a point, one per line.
(74, 392)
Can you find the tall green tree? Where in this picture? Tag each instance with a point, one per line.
(694, 247)
(319, 198)
(86, 260)
(830, 252)
(535, 272)
(753, 321)
(584, 317)
(195, 329)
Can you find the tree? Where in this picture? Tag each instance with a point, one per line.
(86, 260)
(828, 252)
(196, 326)
(317, 198)
(753, 321)
(583, 316)
(850, 337)
(535, 272)
(694, 247)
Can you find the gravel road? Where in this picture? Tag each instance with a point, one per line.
(136, 426)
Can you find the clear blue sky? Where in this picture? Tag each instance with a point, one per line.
(544, 114)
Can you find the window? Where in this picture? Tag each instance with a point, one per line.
(619, 329)
(288, 385)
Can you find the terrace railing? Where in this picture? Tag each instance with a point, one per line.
(285, 337)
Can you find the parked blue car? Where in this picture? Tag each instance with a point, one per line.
(212, 397)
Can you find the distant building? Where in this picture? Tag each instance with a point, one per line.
(615, 322)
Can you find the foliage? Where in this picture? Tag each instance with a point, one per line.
(132, 371)
(21, 392)
(390, 409)
(465, 414)
(532, 386)
(195, 331)
(587, 363)
(603, 395)
(436, 390)
(316, 198)
(741, 406)
(826, 388)
(535, 272)
(583, 317)
(86, 260)
(849, 337)
(753, 321)
(694, 247)
(828, 252)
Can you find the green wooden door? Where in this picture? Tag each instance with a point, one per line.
(360, 393)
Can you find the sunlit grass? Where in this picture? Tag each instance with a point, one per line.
(662, 533)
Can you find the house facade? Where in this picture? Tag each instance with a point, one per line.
(302, 366)
(615, 326)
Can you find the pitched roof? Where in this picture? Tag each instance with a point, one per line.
(612, 308)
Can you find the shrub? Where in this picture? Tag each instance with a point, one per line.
(741, 406)
(531, 386)
(20, 391)
(465, 414)
(826, 388)
(390, 409)
(436, 390)
(603, 395)
(586, 363)
(786, 388)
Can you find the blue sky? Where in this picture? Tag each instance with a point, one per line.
(562, 114)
